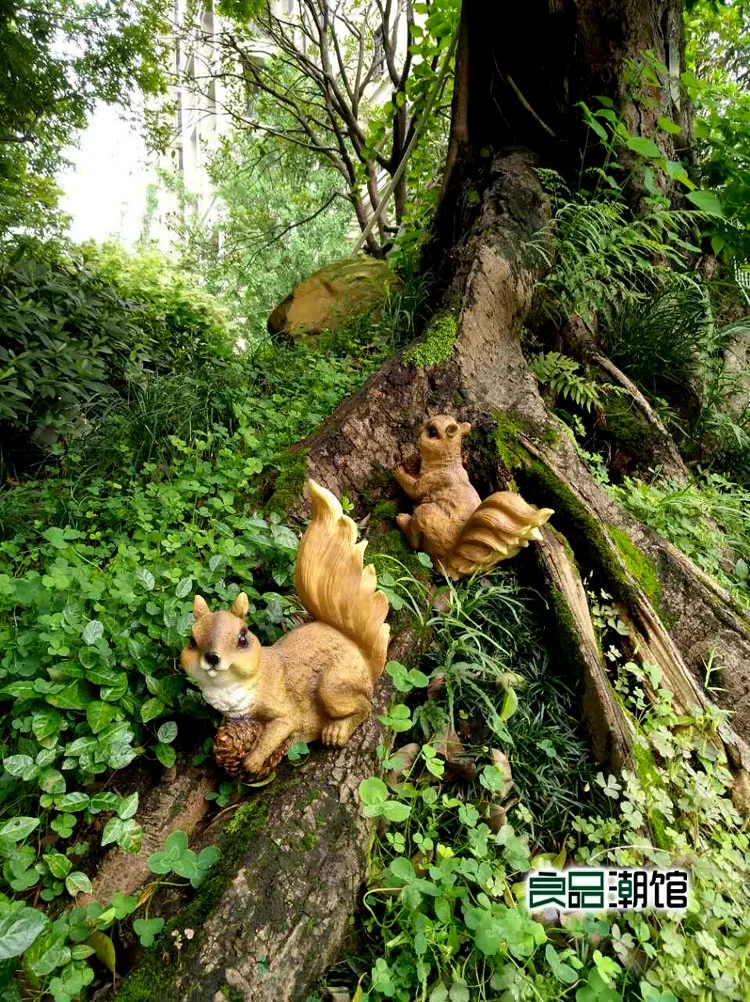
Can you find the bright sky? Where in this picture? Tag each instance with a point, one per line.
(105, 187)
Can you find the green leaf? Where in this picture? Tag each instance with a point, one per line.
(59, 865)
(166, 755)
(20, 766)
(45, 723)
(74, 696)
(112, 831)
(208, 856)
(128, 806)
(668, 125)
(18, 828)
(104, 949)
(104, 801)
(373, 791)
(123, 904)
(100, 715)
(184, 587)
(148, 929)
(76, 882)
(563, 972)
(51, 781)
(18, 930)
(146, 578)
(75, 801)
(510, 705)
(706, 201)
(167, 732)
(92, 631)
(644, 147)
(176, 844)
(395, 810)
(151, 709)
(159, 862)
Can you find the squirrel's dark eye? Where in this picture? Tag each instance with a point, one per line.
(242, 640)
(192, 643)
(432, 432)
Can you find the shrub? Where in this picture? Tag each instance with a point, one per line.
(80, 328)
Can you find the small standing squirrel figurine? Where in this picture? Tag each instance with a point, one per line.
(315, 682)
(462, 533)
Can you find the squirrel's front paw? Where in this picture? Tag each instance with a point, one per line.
(254, 765)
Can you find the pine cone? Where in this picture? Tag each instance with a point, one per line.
(235, 739)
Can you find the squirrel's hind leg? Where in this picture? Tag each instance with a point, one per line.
(337, 732)
(345, 706)
(408, 525)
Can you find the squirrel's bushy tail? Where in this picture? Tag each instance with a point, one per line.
(500, 527)
(334, 585)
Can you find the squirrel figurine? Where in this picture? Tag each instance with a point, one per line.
(461, 533)
(316, 681)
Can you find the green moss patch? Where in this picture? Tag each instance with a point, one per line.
(638, 564)
(289, 483)
(437, 344)
(508, 448)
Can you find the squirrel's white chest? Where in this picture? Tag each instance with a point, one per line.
(232, 700)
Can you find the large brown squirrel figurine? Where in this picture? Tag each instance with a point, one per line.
(461, 533)
(315, 682)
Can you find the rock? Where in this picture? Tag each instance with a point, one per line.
(333, 295)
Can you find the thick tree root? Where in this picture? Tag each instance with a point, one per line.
(661, 447)
(607, 725)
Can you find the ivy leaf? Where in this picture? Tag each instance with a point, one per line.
(18, 930)
(18, 828)
(92, 631)
(112, 831)
(128, 806)
(76, 882)
(151, 708)
(99, 715)
(59, 865)
(167, 732)
(166, 755)
(146, 578)
(20, 766)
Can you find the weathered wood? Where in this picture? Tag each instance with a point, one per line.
(177, 802)
(607, 725)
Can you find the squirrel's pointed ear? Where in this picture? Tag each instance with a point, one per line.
(465, 428)
(240, 605)
(200, 607)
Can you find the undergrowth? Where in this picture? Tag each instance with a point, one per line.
(444, 916)
(100, 557)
